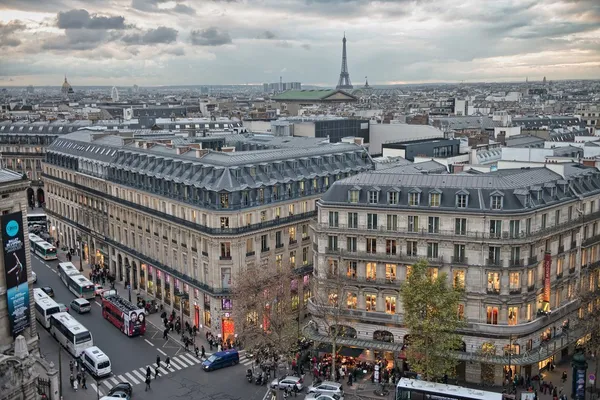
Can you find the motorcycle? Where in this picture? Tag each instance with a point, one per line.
(259, 380)
(249, 375)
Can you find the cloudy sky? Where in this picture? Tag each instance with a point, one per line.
(178, 42)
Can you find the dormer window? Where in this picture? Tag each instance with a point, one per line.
(353, 195)
(414, 198)
(253, 172)
(496, 202)
(373, 196)
(392, 197)
(435, 198)
(462, 200)
(553, 191)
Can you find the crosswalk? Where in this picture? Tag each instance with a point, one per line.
(138, 376)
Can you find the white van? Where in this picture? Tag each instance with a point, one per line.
(96, 361)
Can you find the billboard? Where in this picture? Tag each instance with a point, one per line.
(15, 270)
(547, 272)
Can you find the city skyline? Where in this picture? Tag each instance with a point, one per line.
(120, 42)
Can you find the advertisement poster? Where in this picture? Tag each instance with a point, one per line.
(15, 267)
(547, 272)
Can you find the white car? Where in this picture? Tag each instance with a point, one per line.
(288, 381)
(326, 387)
(323, 396)
(98, 289)
(34, 276)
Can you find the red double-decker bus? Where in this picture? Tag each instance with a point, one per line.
(130, 319)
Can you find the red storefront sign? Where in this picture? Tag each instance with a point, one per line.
(547, 268)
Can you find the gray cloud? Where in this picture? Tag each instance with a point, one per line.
(79, 19)
(162, 34)
(76, 39)
(210, 37)
(183, 9)
(152, 6)
(8, 30)
(267, 35)
(283, 44)
(305, 46)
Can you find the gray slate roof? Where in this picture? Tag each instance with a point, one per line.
(7, 175)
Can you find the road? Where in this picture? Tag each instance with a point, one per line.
(130, 356)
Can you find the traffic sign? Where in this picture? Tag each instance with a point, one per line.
(592, 378)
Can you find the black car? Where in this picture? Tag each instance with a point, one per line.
(119, 388)
(48, 290)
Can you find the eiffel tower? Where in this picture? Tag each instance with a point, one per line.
(344, 81)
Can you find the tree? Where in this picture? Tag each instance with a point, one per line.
(329, 301)
(263, 308)
(431, 316)
(590, 323)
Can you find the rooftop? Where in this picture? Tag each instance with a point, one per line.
(7, 176)
(320, 94)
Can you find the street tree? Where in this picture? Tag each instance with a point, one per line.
(431, 316)
(588, 297)
(264, 308)
(329, 302)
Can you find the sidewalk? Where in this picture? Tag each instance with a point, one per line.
(62, 257)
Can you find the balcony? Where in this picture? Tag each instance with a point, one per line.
(517, 263)
(460, 260)
(355, 279)
(362, 315)
(293, 242)
(205, 253)
(559, 276)
(561, 249)
(493, 262)
(573, 245)
(225, 257)
(515, 290)
(250, 253)
(571, 271)
(491, 290)
(530, 288)
(278, 245)
(532, 261)
(398, 257)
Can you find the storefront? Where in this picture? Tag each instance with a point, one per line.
(159, 294)
(143, 276)
(150, 289)
(186, 300)
(227, 327)
(207, 316)
(85, 250)
(197, 321)
(177, 294)
(101, 256)
(168, 289)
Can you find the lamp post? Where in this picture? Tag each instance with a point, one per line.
(128, 267)
(80, 253)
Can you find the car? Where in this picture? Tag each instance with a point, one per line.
(62, 307)
(81, 306)
(48, 290)
(98, 289)
(34, 277)
(326, 387)
(323, 396)
(288, 381)
(121, 388)
(117, 396)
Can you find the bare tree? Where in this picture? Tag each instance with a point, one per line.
(591, 323)
(263, 305)
(329, 304)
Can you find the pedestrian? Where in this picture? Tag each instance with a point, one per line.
(71, 366)
(168, 362)
(210, 343)
(197, 351)
(71, 380)
(203, 352)
(148, 372)
(75, 385)
(79, 378)
(148, 382)
(83, 385)
(156, 373)
(157, 361)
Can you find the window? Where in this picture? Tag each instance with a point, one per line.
(459, 253)
(351, 300)
(293, 259)
(333, 219)
(292, 209)
(492, 315)
(434, 225)
(224, 200)
(371, 245)
(226, 250)
(224, 222)
(373, 197)
(515, 256)
(515, 228)
(263, 216)
(411, 248)
(413, 223)
(371, 302)
(305, 256)
(393, 197)
(432, 250)
(333, 267)
(292, 234)
(277, 212)
(531, 277)
(513, 315)
(461, 312)
(413, 199)
(494, 255)
(514, 281)
(390, 304)
(353, 220)
(390, 247)
(495, 228)
(372, 221)
(351, 244)
(351, 268)
(458, 278)
(434, 199)
(432, 273)
(278, 239)
(390, 272)
(461, 200)
(556, 217)
(249, 246)
(371, 271)
(544, 221)
(332, 243)
(493, 285)
(264, 243)
(353, 196)
(392, 222)
(304, 231)
(460, 226)
(496, 202)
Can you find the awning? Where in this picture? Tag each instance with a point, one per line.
(350, 352)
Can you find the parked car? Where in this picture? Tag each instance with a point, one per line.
(323, 396)
(121, 388)
(48, 290)
(326, 387)
(63, 308)
(34, 276)
(288, 381)
(81, 306)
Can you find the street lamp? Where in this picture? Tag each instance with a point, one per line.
(80, 253)
(183, 296)
(128, 280)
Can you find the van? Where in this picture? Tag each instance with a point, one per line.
(221, 359)
(96, 361)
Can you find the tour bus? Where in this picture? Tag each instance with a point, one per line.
(81, 287)
(412, 389)
(42, 248)
(45, 307)
(70, 333)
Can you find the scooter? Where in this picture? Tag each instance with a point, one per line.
(259, 379)
(249, 375)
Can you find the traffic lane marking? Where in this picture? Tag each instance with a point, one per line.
(160, 351)
(150, 343)
(98, 304)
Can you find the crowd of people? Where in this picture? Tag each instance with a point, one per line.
(77, 375)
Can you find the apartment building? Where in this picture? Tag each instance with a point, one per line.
(179, 221)
(524, 243)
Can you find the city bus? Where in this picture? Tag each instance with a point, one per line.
(78, 284)
(412, 389)
(45, 307)
(42, 248)
(70, 333)
(37, 219)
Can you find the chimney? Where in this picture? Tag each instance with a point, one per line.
(228, 149)
(200, 153)
(182, 149)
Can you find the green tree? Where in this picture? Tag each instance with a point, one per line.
(431, 316)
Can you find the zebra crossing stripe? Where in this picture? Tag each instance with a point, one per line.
(161, 370)
(189, 357)
(174, 365)
(141, 377)
(107, 384)
(184, 361)
(132, 378)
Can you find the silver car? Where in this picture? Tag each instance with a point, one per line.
(288, 381)
(81, 306)
(323, 396)
(326, 387)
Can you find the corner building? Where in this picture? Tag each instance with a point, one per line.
(524, 244)
(179, 220)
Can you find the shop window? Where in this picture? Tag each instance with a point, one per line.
(492, 315)
(513, 315)
(371, 302)
(351, 300)
(390, 304)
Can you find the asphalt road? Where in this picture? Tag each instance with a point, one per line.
(130, 356)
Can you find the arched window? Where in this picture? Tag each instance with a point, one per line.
(383, 336)
(343, 331)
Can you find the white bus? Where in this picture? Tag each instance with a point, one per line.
(66, 269)
(42, 248)
(37, 219)
(412, 389)
(78, 284)
(70, 333)
(45, 307)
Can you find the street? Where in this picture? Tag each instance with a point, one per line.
(130, 356)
